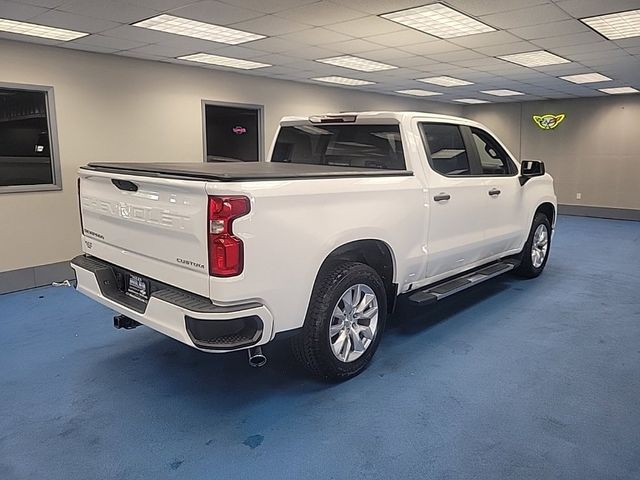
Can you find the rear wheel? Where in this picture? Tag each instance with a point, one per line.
(344, 322)
(536, 251)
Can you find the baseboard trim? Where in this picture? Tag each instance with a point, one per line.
(600, 212)
(38, 276)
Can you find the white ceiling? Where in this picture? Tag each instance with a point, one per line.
(302, 31)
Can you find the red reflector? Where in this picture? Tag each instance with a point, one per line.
(226, 251)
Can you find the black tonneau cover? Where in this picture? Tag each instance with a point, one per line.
(241, 171)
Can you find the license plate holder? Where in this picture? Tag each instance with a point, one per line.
(137, 287)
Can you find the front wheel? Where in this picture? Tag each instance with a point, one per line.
(536, 251)
(344, 322)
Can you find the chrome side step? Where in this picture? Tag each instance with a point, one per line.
(433, 293)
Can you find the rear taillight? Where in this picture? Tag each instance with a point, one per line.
(226, 251)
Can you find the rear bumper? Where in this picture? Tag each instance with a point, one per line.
(181, 315)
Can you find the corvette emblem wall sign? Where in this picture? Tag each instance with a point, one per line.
(548, 121)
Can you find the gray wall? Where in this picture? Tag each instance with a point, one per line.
(112, 108)
(595, 151)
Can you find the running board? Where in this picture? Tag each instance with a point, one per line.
(433, 293)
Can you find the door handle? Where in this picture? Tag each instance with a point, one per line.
(441, 197)
(494, 192)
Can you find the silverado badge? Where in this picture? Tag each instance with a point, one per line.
(548, 121)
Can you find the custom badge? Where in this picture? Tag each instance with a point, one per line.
(548, 121)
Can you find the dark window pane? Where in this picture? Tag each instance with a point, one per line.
(369, 146)
(493, 158)
(25, 151)
(447, 151)
(232, 133)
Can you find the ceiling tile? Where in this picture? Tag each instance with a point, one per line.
(115, 10)
(628, 42)
(87, 48)
(537, 15)
(353, 46)
(376, 7)
(401, 38)
(217, 13)
(457, 56)
(485, 7)
(589, 8)
(160, 5)
(551, 29)
(272, 45)
(366, 27)
(485, 39)
(236, 51)
(602, 46)
(438, 46)
(19, 11)
(568, 40)
(169, 51)
(55, 18)
(108, 42)
(508, 48)
(269, 25)
(320, 13)
(271, 6)
(43, 3)
(389, 55)
(315, 36)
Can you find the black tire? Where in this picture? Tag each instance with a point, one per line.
(312, 346)
(526, 268)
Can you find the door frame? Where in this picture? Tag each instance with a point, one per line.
(246, 106)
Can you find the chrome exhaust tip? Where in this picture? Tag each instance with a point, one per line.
(256, 358)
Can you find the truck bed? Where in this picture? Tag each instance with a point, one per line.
(242, 171)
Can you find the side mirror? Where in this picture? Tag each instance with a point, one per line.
(530, 169)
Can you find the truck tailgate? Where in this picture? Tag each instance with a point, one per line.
(155, 227)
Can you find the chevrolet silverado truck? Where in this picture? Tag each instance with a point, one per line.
(350, 212)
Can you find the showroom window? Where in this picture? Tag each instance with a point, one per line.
(28, 153)
(447, 152)
(493, 159)
(232, 132)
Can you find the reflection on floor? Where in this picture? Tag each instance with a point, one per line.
(512, 379)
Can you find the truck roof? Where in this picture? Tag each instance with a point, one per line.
(379, 115)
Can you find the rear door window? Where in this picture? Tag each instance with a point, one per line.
(354, 145)
(447, 151)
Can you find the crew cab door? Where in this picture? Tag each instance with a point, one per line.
(503, 208)
(456, 200)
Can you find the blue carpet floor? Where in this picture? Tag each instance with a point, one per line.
(515, 379)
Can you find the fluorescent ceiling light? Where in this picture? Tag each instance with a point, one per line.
(618, 90)
(195, 29)
(223, 61)
(418, 92)
(615, 26)
(439, 20)
(356, 63)
(445, 81)
(586, 78)
(343, 81)
(539, 58)
(471, 100)
(502, 93)
(34, 30)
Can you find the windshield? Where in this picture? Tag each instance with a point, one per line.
(369, 146)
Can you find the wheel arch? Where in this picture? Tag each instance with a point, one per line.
(375, 253)
(547, 209)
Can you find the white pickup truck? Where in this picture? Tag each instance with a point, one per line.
(350, 211)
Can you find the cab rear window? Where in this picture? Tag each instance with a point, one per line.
(367, 146)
